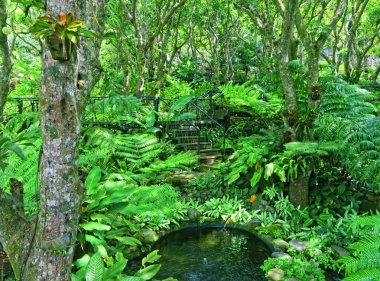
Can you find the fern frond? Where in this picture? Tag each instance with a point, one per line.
(371, 274)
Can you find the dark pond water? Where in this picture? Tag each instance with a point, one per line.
(212, 254)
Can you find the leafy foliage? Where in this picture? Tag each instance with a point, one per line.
(365, 262)
(102, 267)
(21, 135)
(63, 27)
(348, 119)
(253, 100)
(140, 158)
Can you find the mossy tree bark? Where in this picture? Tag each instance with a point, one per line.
(43, 249)
(6, 62)
(375, 75)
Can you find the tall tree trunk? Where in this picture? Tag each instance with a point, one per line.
(5, 55)
(313, 88)
(43, 249)
(375, 75)
(290, 110)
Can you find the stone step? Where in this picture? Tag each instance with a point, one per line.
(210, 159)
(206, 167)
(183, 133)
(210, 152)
(194, 146)
(189, 139)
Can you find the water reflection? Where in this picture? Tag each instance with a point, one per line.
(211, 254)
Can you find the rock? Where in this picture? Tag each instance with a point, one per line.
(340, 252)
(281, 244)
(280, 255)
(193, 214)
(276, 274)
(147, 236)
(255, 222)
(298, 245)
(266, 237)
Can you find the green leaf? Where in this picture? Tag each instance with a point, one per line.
(308, 222)
(15, 148)
(74, 277)
(100, 218)
(127, 240)
(102, 250)
(83, 261)
(130, 278)
(94, 203)
(115, 270)
(151, 258)
(180, 103)
(90, 226)
(94, 241)
(72, 37)
(149, 272)
(88, 33)
(92, 180)
(256, 177)
(341, 188)
(95, 268)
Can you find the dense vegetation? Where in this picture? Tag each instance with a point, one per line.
(122, 120)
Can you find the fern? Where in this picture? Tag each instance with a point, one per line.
(349, 120)
(252, 100)
(23, 165)
(365, 262)
(159, 170)
(372, 274)
(126, 151)
(138, 158)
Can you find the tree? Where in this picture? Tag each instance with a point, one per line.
(313, 29)
(5, 56)
(362, 34)
(138, 29)
(43, 248)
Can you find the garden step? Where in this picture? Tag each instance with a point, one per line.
(211, 151)
(206, 167)
(210, 159)
(189, 139)
(183, 133)
(194, 146)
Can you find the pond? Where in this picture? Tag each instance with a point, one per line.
(212, 254)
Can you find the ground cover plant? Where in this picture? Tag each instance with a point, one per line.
(123, 120)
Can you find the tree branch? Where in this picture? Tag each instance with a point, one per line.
(163, 22)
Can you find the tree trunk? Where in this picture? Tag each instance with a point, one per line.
(60, 190)
(313, 88)
(6, 67)
(375, 75)
(299, 190)
(43, 249)
(290, 110)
